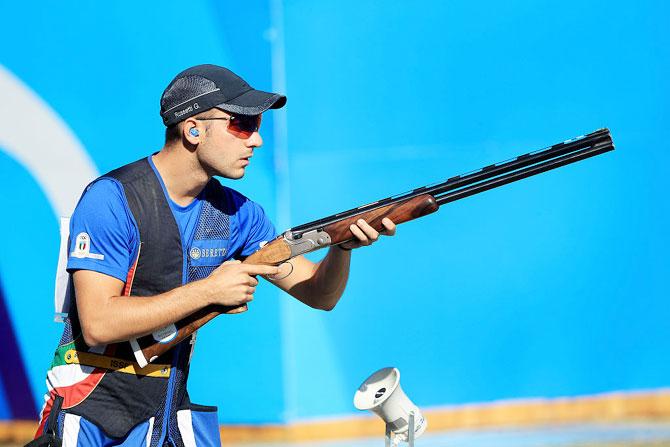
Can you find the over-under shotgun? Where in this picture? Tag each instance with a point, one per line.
(334, 230)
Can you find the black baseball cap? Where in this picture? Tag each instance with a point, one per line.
(203, 87)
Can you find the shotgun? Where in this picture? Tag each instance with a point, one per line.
(334, 230)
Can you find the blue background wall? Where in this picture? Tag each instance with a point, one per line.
(554, 286)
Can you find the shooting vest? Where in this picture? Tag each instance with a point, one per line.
(105, 385)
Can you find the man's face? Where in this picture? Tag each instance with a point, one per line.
(223, 149)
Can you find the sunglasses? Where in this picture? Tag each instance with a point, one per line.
(242, 126)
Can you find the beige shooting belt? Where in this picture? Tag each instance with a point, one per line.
(116, 364)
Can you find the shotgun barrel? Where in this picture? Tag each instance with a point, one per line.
(566, 152)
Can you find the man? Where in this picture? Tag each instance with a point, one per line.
(164, 230)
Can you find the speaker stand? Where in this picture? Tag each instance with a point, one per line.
(391, 439)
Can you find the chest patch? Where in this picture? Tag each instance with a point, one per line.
(211, 241)
(202, 252)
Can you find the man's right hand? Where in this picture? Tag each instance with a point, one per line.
(107, 316)
(233, 284)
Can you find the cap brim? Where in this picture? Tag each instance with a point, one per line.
(253, 102)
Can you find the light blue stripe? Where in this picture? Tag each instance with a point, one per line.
(554, 436)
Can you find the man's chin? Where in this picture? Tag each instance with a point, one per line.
(233, 174)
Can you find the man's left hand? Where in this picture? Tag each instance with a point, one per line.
(366, 235)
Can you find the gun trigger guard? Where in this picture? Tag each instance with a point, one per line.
(281, 275)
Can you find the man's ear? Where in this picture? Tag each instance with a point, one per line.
(191, 132)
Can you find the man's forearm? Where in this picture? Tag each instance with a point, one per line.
(325, 287)
(321, 285)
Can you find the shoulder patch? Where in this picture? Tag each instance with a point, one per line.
(82, 248)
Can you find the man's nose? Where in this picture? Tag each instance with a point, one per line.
(255, 140)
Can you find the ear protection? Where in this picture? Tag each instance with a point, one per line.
(193, 131)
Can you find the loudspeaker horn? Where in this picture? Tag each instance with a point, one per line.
(381, 393)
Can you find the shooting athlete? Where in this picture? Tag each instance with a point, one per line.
(155, 241)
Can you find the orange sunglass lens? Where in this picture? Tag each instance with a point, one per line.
(243, 126)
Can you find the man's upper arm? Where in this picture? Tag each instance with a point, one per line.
(101, 248)
(93, 287)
